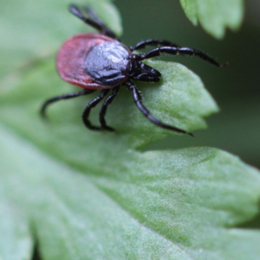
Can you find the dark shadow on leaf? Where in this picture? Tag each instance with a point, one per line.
(253, 223)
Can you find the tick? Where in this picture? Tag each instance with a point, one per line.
(99, 61)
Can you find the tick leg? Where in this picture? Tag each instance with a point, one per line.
(104, 110)
(175, 51)
(62, 97)
(94, 21)
(146, 112)
(152, 42)
(90, 105)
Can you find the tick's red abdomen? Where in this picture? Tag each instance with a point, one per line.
(71, 59)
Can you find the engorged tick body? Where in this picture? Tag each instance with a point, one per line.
(101, 62)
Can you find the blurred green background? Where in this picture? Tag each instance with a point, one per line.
(236, 88)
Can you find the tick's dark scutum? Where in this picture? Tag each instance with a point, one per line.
(108, 63)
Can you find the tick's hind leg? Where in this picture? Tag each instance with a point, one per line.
(93, 21)
(90, 105)
(146, 112)
(62, 97)
(104, 110)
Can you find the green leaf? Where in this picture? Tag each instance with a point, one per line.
(215, 15)
(179, 99)
(85, 195)
(159, 205)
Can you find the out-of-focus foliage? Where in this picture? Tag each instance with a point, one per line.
(215, 15)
